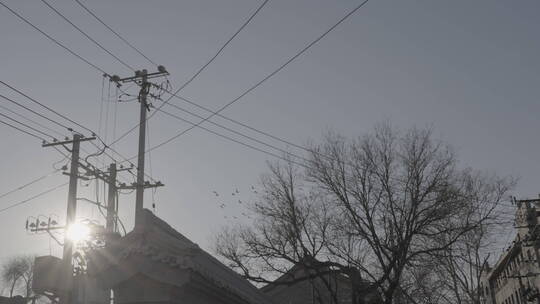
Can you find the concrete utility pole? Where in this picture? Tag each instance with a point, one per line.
(139, 195)
(141, 78)
(112, 207)
(71, 202)
(67, 255)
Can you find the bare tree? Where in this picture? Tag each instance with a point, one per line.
(453, 275)
(17, 273)
(374, 208)
(460, 267)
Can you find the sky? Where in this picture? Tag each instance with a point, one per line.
(469, 69)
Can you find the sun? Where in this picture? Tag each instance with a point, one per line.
(78, 232)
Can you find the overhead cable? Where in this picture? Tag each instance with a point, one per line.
(32, 121)
(27, 126)
(33, 197)
(115, 32)
(220, 50)
(233, 131)
(222, 47)
(35, 112)
(287, 142)
(235, 140)
(21, 130)
(86, 35)
(47, 107)
(29, 183)
(270, 75)
(66, 118)
(52, 38)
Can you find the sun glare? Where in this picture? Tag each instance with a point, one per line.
(78, 232)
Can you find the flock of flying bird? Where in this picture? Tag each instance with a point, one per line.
(236, 193)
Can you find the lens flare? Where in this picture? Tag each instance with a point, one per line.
(78, 232)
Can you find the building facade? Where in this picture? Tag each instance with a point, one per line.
(327, 288)
(515, 278)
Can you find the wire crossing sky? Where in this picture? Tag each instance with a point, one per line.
(469, 69)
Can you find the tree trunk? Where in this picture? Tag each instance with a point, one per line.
(12, 287)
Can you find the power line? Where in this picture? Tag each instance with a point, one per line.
(71, 52)
(223, 47)
(27, 126)
(35, 112)
(115, 33)
(53, 39)
(234, 140)
(38, 114)
(86, 35)
(232, 131)
(270, 75)
(33, 197)
(29, 183)
(31, 134)
(32, 121)
(220, 50)
(21, 130)
(41, 138)
(48, 108)
(66, 118)
(287, 142)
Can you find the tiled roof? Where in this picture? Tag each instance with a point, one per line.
(158, 242)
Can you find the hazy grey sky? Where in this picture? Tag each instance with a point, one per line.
(469, 68)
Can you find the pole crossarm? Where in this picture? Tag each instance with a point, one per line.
(67, 141)
(133, 186)
(141, 78)
(139, 75)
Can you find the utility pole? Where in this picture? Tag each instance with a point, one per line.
(112, 207)
(67, 255)
(139, 195)
(141, 78)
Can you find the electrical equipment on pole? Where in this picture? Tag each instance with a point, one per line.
(141, 78)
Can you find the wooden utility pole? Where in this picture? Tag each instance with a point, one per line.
(67, 255)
